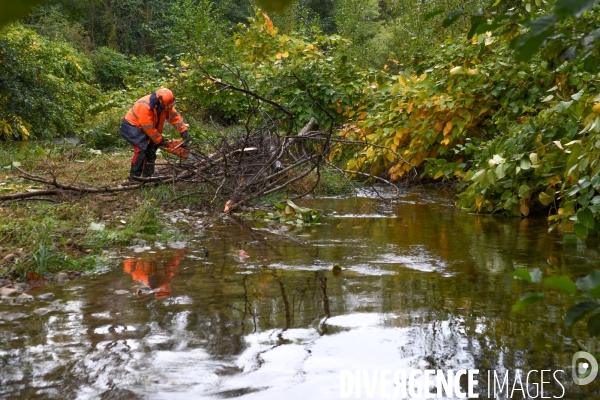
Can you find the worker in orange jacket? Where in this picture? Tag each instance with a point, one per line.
(155, 272)
(143, 125)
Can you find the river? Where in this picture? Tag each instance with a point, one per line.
(266, 316)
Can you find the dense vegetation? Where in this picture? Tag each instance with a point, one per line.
(472, 101)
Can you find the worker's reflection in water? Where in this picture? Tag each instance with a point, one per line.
(155, 271)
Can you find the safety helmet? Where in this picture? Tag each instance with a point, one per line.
(165, 97)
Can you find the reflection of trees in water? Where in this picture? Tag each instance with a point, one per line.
(238, 305)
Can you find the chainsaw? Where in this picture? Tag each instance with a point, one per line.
(177, 147)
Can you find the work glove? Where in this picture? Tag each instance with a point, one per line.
(185, 135)
(163, 143)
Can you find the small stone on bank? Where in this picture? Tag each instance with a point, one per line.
(62, 278)
(8, 292)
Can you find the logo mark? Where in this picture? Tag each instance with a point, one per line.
(584, 372)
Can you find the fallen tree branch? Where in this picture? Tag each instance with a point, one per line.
(26, 195)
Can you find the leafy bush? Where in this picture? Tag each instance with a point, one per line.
(111, 68)
(519, 136)
(44, 85)
(467, 93)
(297, 72)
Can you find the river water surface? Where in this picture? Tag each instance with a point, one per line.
(262, 316)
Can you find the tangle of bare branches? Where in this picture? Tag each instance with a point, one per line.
(267, 157)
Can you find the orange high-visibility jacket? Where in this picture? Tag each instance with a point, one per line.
(144, 116)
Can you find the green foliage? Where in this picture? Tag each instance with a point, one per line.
(51, 22)
(547, 159)
(300, 73)
(44, 85)
(584, 295)
(461, 99)
(196, 27)
(145, 220)
(111, 67)
(557, 31)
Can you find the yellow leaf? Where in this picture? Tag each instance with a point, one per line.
(285, 55)
(24, 131)
(479, 201)
(438, 126)
(401, 80)
(363, 115)
(269, 25)
(554, 180)
(446, 141)
(391, 157)
(448, 128)
(278, 56)
(438, 175)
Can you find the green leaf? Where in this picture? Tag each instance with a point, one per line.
(524, 191)
(479, 175)
(595, 292)
(528, 300)
(562, 283)
(434, 13)
(500, 172)
(525, 164)
(586, 218)
(547, 196)
(476, 21)
(578, 311)
(527, 44)
(574, 8)
(534, 276)
(522, 274)
(589, 281)
(580, 230)
(593, 325)
(279, 205)
(452, 17)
